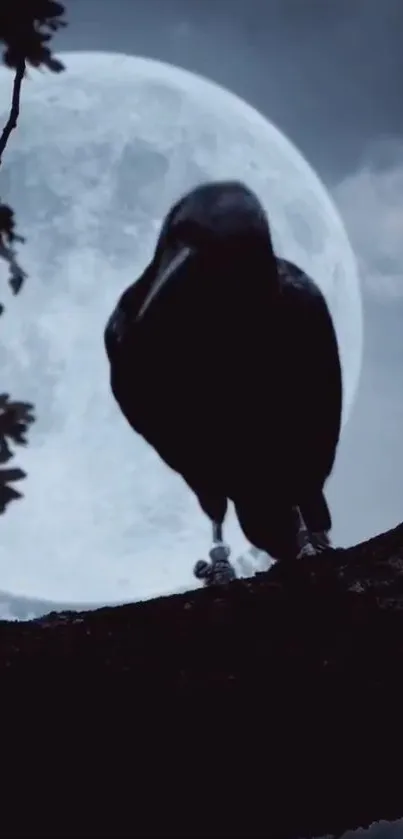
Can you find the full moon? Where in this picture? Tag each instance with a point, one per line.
(100, 153)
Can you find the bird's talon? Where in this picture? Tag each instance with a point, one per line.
(202, 569)
(306, 550)
(218, 571)
(219, 552)
(321, 542)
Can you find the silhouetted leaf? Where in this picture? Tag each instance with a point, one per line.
(25, 28)
(8, 237)
(15, 418)
(8, 493)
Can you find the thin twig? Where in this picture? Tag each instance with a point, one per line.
(15, 107)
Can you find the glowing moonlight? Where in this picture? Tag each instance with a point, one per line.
(99, 154)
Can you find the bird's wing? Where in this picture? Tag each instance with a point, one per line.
(312, 360)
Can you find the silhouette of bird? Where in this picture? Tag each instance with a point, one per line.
(224, 357)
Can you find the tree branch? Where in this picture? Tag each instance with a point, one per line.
(15, 108)
(268, 707)
(25, 29)
(8, 235)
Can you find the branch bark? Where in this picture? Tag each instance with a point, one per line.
(269, 707)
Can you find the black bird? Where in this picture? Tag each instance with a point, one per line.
(224, 358)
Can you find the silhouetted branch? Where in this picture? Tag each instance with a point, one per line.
(15, 107)
(26, 27)
(267, 707)
(8, 236)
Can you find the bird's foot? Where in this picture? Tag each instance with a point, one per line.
(304, 542)
(313, 544)
(217, 572)
(321, 541)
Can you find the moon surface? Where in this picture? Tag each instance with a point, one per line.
(100, 153)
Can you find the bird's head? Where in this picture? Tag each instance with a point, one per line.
(223, 226)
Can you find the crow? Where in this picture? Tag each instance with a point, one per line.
(224, 357)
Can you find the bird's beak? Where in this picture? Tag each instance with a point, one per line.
(165, 276)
